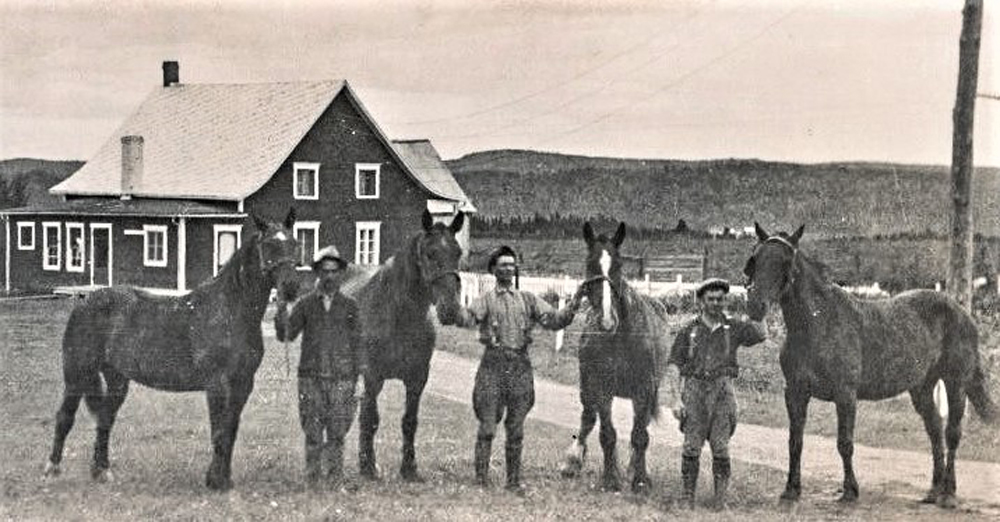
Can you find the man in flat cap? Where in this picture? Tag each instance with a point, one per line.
(332, 357)
(504, 381)
(703, 363)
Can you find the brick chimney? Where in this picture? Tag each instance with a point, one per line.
(131, 165)
(171, 74)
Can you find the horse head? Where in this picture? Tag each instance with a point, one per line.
(437, 256)
(771, 269)
(277, 253)
(604, 274)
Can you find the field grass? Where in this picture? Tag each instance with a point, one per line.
(160, 450)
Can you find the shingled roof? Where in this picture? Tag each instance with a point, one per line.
(225, 141)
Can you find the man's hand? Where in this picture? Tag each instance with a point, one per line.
(574, 301)
(678, 411)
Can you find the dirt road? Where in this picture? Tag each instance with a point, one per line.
(894, 472)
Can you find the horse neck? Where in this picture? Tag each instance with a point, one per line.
(407, 282)
(242, 281)
(808, 293)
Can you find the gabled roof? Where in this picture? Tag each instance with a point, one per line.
(421, 157)
(221, 141)
(127, 207)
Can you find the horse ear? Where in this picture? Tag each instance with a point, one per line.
(588, 233)
(761, 234)
(457, 223)
(290, 218)
(797, 235)
(260, 223)
(427, 220)
(619, 235)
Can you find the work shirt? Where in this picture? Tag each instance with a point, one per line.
(331, 344)
(708, 353)
(506, 317)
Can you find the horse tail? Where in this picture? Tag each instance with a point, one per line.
(979, 395)
(83, 349)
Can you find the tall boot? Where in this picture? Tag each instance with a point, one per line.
(514, 469)
(721, 470)
(482, 462)
(314, 465)
(689, 477)
(335, 459)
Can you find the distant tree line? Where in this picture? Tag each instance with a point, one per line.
(557, 226)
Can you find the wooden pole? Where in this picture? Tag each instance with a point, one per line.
(960, 265)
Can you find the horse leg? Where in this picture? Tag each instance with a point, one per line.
(923, 401)
(797, 406)
(576, 453)
(952, 435)
(64, 423)
(240, 390)
(219, 393)
(642, 408)
(846, 410)
(611, 479)
(408, 466)
(106, 410)
(368, 425)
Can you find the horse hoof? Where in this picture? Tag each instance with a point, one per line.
(52, 470)
(571, 468)
(931, 497)
(412, 477)
(848, 498)
(611, 484)
(790, 495)
(102, 476)
(947, 501)
(640, 487)
(218, 483)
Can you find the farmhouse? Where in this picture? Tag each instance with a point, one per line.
(163, 202)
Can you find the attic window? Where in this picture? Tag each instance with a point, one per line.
(366, 180)
(305, 180)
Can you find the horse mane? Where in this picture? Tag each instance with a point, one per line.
(233, 273)
(393, 283)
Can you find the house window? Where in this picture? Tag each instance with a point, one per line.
(307, 234)
(74, 247)
(227, 242)
(305, 180)
(26, 235)
(154, 249)
(51, 246)
(366, 243)
(366, 180)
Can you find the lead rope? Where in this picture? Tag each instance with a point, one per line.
(288, 365)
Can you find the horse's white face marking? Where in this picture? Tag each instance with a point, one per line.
(280, 236)
(606, 320)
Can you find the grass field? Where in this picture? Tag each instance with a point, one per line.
(160, 450)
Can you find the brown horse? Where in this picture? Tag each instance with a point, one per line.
(842, 349)
(623, 353)
(209, 339)
(399, 334)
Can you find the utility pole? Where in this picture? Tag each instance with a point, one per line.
(960, 264)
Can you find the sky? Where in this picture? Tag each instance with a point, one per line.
(785, 80)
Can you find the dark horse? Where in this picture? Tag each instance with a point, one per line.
(399, 334)
(622, 354)
(841, 349)
(209, 339)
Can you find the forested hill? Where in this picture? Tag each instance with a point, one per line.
(831, 198)
(25, 181)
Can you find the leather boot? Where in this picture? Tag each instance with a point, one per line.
(721, 470)
(482, 461)
(689, 477)
(335, 460)
(514, 469)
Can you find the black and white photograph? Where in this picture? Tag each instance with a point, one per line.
(404, 260)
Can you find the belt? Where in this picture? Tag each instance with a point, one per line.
(709, 376)
(322, 375)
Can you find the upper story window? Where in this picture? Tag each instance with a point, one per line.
(366, 180)
(51, 246)
(307, 235)
(305, 180)
(26, 235)
(154, 250)
(74, 247)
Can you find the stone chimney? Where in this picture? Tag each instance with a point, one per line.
(131, 165)
(171, 74)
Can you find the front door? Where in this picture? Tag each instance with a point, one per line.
(100, 254)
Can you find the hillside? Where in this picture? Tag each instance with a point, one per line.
(25, 181)
(834, 199)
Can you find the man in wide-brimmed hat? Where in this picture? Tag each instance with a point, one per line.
(332, 358)
(504, 387)
(703, 364)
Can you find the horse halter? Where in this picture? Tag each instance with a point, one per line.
(429, 277)
(270, 265)
(789, 276)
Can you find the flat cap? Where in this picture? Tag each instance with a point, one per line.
(712, 283)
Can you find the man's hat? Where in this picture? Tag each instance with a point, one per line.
(712, 283)
(504, 250)
(328, 252)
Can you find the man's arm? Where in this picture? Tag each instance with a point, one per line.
(358, 347)
(550, 318)
(673, 380)
(473, 315)
(751, 332)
